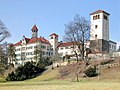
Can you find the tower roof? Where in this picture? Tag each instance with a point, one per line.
(54, 34)
(99, 11)
(34, 28)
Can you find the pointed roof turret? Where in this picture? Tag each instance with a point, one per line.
(34, 28)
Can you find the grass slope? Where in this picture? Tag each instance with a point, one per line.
(48, 81)
(47, 76)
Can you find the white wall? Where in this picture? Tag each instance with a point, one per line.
(102, 30)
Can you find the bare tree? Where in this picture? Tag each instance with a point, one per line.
(78, 32)
(3, 32)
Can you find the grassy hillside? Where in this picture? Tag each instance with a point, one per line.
(46, 76)
(108, 80)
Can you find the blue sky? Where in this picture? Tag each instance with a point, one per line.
(51, 15)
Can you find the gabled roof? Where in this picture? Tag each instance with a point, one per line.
(33, 40)
(34, 28)
(99, 11)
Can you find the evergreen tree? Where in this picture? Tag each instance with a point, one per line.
(11, 53)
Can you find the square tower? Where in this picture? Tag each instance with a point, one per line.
(99, 31)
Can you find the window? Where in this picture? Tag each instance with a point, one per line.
(29, 47)
(110, 45)
(51, 38)
(96, 35)
(18, 49)
(43, 53)
(96, 26)
(18, 55)
(51, 53)
(23, 48)
(29, 53)
(114, 47)
(35, 47)
(66, 47)
(61, 48)
(48, 48)
(105, 17)
(44, 47)
(23, 53)
(93, 17)
(51, 49)
(96, 17)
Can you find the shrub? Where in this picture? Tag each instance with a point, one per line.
(29, 70)
(11, 77)
(45, 61)
(91, 72)
(105, 62)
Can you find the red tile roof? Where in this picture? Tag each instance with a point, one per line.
(54, 34)
(99, 11)
(18, 43)
(33, 40)
(42, 39)
(27, 39)
(11, 45)
(65, 44)
(34, 28)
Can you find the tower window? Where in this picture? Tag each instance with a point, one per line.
(51, 37)
(98, 16)
(96, 26)
(93, 17)
(105, 17)
(95, 36)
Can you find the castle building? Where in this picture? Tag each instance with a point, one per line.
(25, 48)
(99, 40)
(99, 32)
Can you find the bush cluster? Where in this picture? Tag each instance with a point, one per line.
(29, 70)
(105, 62)
(91, 72)
(45, 61)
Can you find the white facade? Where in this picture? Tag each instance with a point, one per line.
(25, 52)
(68, 49)
(112, 46)
(26, 47)
(53, 39)
(99, 25)
(100, 29)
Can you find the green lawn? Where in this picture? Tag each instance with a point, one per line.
(60, 85)
(48, 81)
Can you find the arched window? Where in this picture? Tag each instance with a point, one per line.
(98, 16)
(93, 17)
